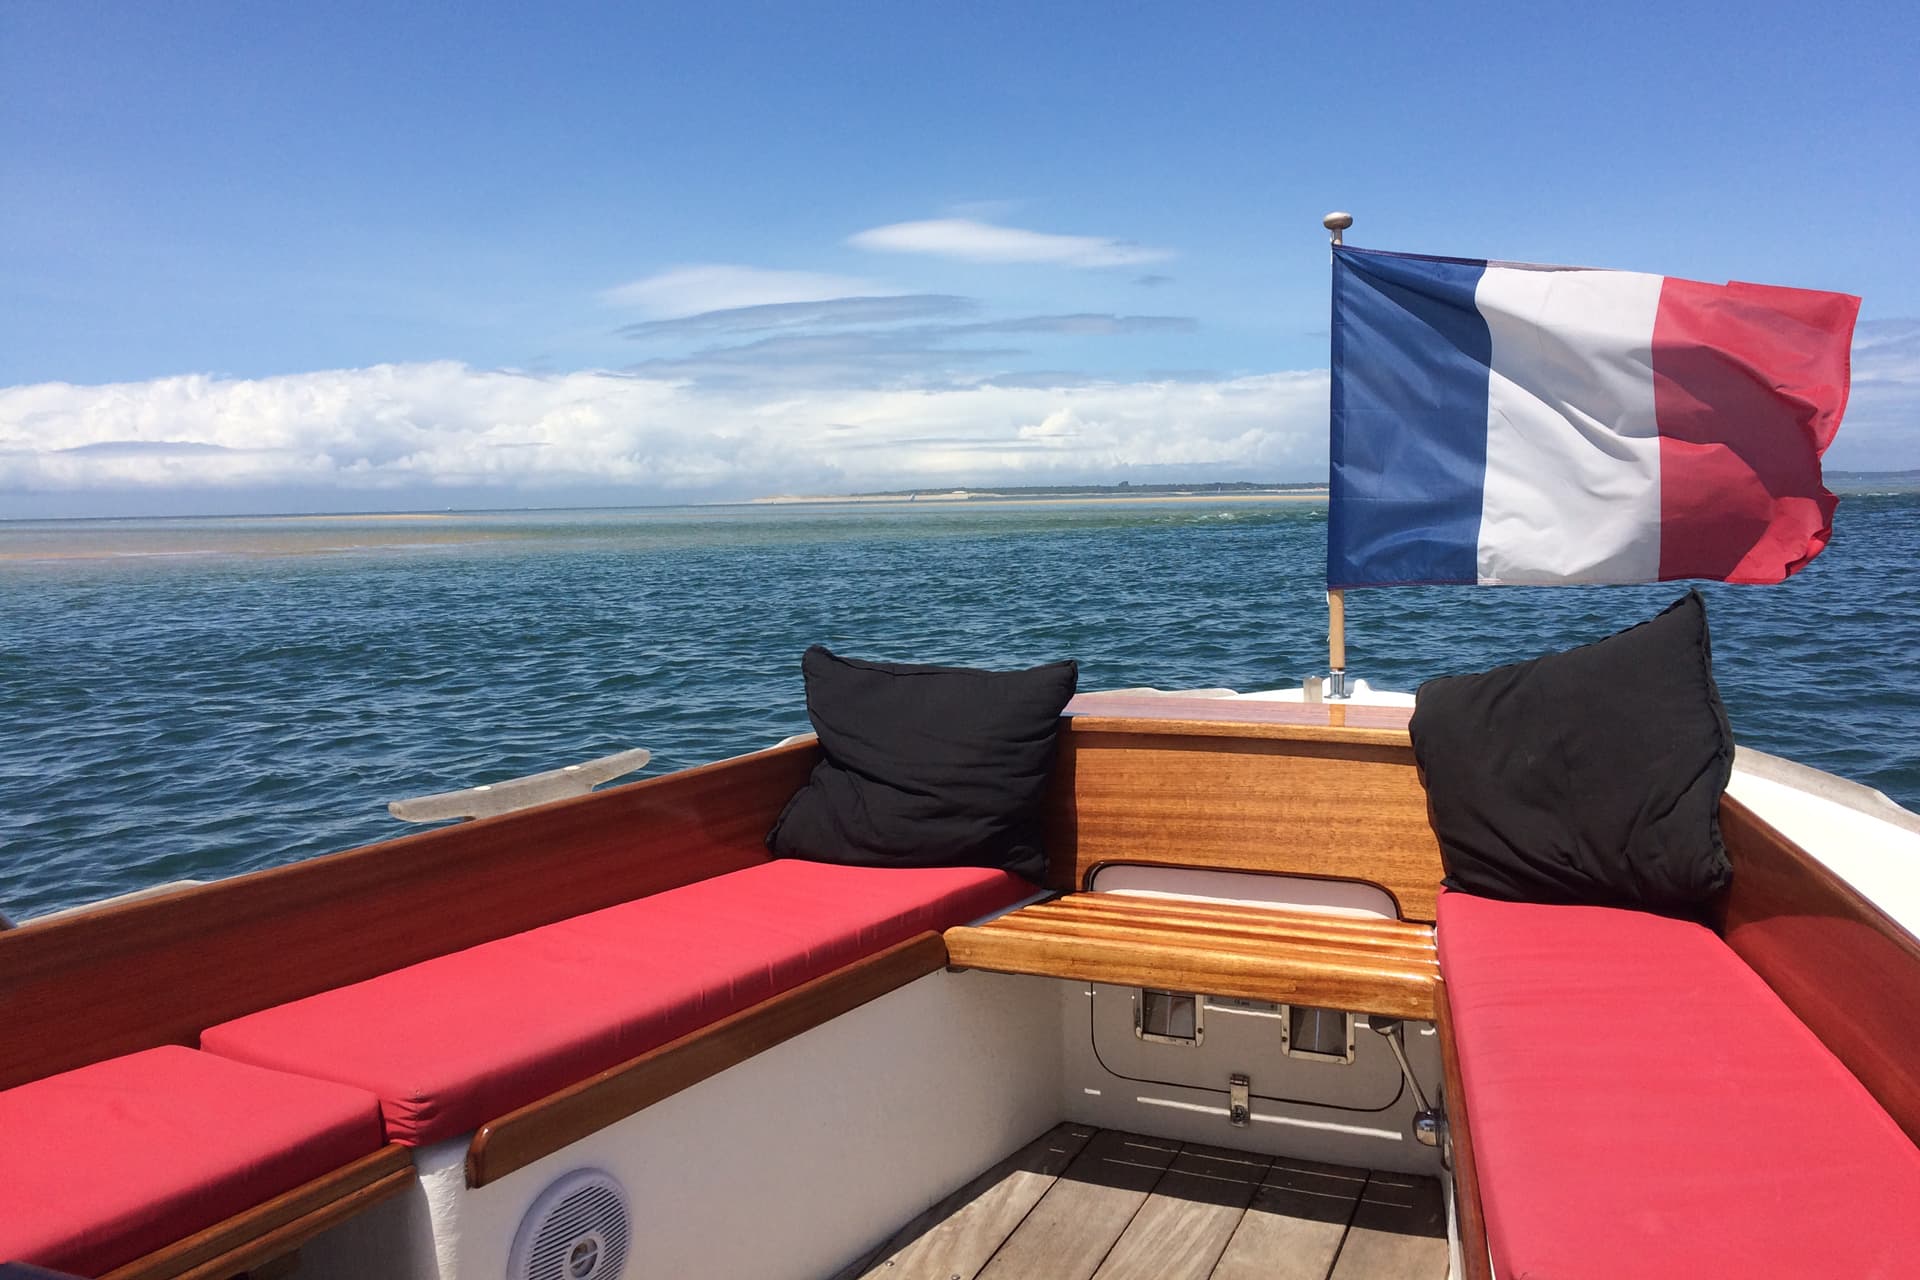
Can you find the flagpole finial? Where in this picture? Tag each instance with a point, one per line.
(1337, 222)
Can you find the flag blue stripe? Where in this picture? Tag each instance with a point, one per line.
(1411, 357)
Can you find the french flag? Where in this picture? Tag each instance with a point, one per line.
(1495, 422)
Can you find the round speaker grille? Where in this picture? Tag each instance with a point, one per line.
(576, 1230)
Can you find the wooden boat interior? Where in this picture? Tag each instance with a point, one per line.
(1216, 1043)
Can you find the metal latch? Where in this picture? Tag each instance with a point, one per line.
(1238, 1113)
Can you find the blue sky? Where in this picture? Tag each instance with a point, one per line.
(371, 256)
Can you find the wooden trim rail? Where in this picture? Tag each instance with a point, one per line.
(279, 1226)
(1122, 712)
(1846, 968)
(1366, 965)
(1466, 1182)
(541, 1128)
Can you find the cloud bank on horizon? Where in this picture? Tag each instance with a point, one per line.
(749, 381)
(415, 429)
(410, 433)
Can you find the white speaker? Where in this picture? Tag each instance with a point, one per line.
(577, 1229)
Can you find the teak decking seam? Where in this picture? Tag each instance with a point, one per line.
(1057, 1208)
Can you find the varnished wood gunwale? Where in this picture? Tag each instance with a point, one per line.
(1846, 968)
(280, 1225)
(541, 1128)
(158, 971)
(1466, 1183)
(1318, 801)
(1258, 954)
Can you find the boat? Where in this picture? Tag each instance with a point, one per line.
(610, 1033)
(1258, 1075)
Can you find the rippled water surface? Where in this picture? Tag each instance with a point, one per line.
(196, 698)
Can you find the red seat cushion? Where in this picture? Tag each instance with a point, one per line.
(461, 1039)
(106, 1163)
(1642, 1104)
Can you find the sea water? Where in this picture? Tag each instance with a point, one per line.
(195, 698)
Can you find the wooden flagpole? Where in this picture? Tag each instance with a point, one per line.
(1336, 224)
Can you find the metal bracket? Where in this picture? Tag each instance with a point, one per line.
(1239, 1110)
(1426, 1120)
(519, 793)
(1169, 1017)
(1290, 1043)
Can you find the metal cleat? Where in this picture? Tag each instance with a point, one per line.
(519, 793)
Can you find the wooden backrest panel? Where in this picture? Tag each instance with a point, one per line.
(157, 971)
(1844, 967)
(1319, 801)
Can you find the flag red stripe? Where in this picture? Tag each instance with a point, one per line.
(1749, 384)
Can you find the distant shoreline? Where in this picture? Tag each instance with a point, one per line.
(1843, 484)
(1303, 493)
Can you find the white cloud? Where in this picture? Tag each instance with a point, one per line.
(1886, 351)
(1882, 428)
(829, 313)
(973, 241)
(689, 290)
(424, 427)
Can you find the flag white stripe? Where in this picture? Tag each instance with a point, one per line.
(1573, 452)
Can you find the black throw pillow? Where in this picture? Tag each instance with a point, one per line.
(926, 766)
(1591, 776)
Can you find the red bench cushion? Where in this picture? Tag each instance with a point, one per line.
(106, 1163)
(461, 1039)
(1642, 1104)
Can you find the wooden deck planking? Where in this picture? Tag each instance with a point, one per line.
(1184, 1225)
(1399, 1231)
(1081, 1204)
(958, 1236)
(1075, 1225)
(1296, 1224)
